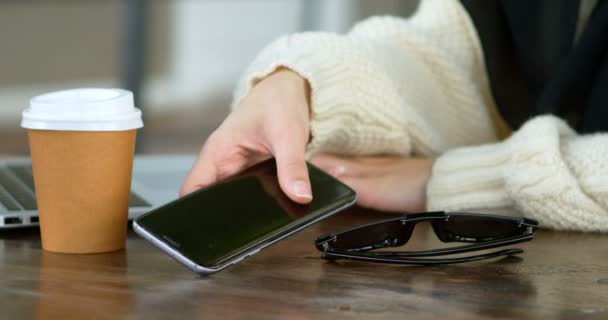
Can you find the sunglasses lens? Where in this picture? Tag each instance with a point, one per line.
(476, 228)
(385, 234)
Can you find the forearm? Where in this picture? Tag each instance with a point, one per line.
(544, 171)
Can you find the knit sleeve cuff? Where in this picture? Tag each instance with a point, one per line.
(469, 179)
(504, 175)
(339, 122)
(544, 171)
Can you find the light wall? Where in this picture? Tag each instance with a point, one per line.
(196, 49)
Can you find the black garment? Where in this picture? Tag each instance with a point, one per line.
(534, 65)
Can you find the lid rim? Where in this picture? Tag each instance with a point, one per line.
(134, 114)
(83, 109)
(99, 126)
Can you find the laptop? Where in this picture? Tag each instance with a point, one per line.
(156, 181)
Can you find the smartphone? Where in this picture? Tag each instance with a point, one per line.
(220, 225)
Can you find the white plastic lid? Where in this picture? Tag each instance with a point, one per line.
(85, 109)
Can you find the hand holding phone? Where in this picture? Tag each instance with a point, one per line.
(220, 225)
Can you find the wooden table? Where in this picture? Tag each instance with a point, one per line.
(561, 275)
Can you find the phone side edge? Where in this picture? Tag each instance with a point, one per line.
(176, 255)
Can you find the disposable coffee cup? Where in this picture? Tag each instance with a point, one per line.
(82, 143)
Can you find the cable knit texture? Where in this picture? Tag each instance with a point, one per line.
(544, 171)
(418, 86)
(391, 85)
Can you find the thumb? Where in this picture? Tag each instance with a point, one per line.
(203, 173)
(292, 171)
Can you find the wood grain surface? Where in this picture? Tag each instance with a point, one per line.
(560, 276)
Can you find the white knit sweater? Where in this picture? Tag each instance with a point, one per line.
(418, 86)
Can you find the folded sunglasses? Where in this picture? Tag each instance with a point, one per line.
(482, 231)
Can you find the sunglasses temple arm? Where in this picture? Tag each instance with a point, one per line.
(332, 255)
(455, 250)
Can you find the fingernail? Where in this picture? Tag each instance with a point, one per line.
(301, 189)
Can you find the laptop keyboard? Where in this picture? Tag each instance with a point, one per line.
(17, 189)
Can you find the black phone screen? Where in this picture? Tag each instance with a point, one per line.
(216, 223)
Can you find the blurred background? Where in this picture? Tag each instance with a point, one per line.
(181, 57)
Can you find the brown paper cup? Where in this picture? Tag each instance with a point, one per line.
(83, 181)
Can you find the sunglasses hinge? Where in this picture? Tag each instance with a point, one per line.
(324, 243)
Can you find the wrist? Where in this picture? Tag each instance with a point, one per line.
(294, 83)
(424, 176)
(286, 88)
